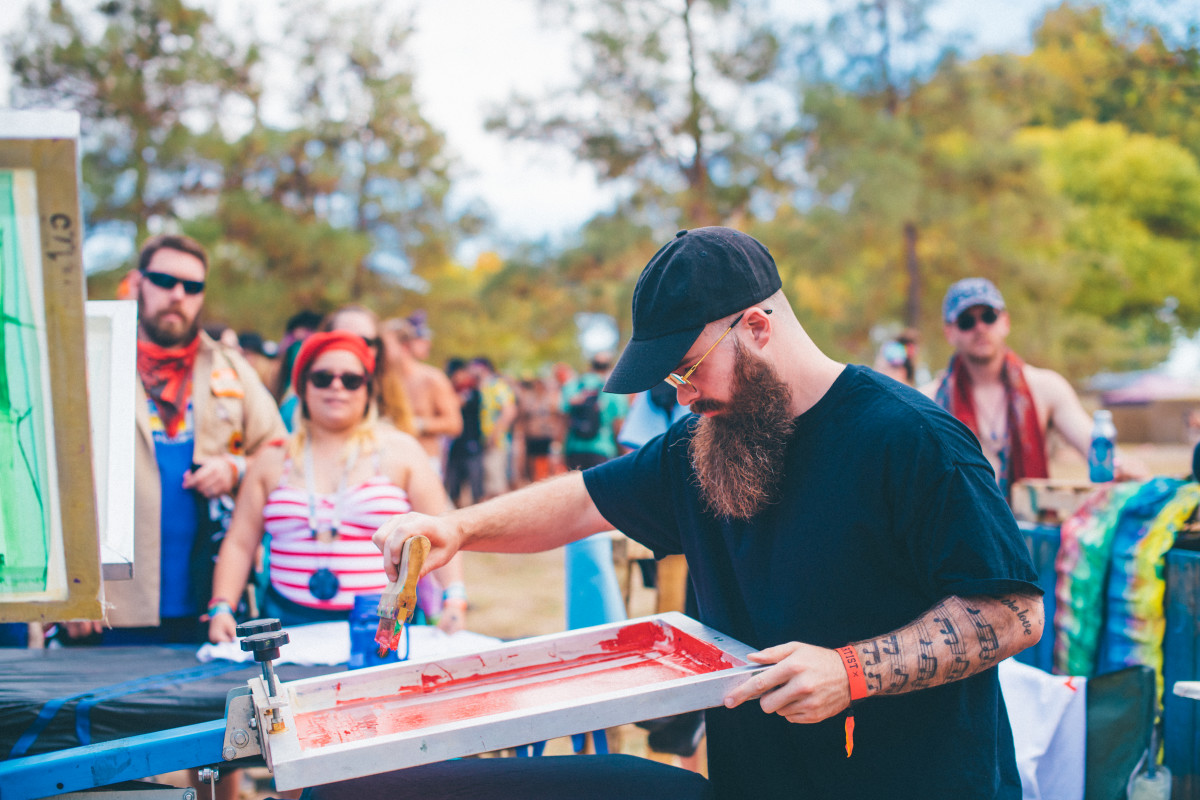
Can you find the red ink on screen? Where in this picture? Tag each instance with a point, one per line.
(638, 655)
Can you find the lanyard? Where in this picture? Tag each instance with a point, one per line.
(312, 494)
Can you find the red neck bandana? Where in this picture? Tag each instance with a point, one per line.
(166, 374)
(1024, 454)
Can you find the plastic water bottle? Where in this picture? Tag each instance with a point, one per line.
(1103, 449)
(364, 652)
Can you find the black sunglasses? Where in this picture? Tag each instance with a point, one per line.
(966, 320)
(164, 281)
(351, 381)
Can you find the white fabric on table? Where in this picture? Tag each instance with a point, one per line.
(329, 643)
(1048, 714)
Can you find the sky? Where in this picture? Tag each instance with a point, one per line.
(475, 53)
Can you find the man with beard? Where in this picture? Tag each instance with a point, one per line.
(1009, 405)
(834, 518)
(201, 411)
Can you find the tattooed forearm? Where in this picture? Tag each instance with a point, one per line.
(956, 638)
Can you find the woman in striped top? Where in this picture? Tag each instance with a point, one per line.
(322, 494)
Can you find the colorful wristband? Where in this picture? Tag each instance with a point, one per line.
(219, 607)
(455, 591)
(858, 681)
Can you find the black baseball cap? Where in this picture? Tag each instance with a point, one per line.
(699, 276)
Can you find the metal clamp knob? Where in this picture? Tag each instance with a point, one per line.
(251, 627)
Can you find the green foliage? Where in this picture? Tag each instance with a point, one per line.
(1133, 230)
(152, 82)
(1069, 175)
(663, 100)
(1084, 68)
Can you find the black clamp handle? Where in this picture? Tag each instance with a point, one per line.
(265, 646)
(251, 627)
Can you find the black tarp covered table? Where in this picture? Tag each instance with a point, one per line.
(60, 698)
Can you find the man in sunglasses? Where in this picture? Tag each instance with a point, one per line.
(1009, 405)
(841, 522)
(201, 411)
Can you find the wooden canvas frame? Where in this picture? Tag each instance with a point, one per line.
(41, 148)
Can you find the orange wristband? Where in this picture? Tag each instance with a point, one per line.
(858, 681)
(858, 690)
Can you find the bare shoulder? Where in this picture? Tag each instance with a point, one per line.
(432, 375)
(1048, 387)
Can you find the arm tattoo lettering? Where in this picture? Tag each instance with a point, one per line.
(1022, 615)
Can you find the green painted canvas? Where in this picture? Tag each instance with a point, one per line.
(25, 529)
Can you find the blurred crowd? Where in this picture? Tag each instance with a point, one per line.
(485, 431)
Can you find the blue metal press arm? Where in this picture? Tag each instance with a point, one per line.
(95, 765)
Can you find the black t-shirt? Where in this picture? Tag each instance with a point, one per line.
(888, 506)
(472, 433)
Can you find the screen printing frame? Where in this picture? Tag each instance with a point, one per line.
(46, 144)
(295, 766)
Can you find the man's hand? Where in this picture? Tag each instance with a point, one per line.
(392, 535)
(213, 477)
(806, 683)
(1129, 468)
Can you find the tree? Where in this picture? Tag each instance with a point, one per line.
(876, 52)
(664, 101)
(1131, 241)
(349, 201)
(151, 85)
(915, 181)
(387, 168)
(1082, 67)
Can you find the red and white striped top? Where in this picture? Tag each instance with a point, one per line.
(296, 555)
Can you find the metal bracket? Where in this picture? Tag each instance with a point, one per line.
(241, 728)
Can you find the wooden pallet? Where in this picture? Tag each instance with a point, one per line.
(1048, 501)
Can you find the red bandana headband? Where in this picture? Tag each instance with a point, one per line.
(319, 343)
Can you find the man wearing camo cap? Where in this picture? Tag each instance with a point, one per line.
(1009, 405)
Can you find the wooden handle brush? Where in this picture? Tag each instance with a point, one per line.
(399, 599)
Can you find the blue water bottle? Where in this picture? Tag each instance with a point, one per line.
(1102, 452)
(364, 622)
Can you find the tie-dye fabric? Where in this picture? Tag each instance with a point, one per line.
(1135, 614)
(1082, 565)
(1110, 586)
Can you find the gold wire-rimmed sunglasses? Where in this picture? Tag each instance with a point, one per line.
(679, 381)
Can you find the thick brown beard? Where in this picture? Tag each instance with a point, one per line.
(163, 338)
(739, 454)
